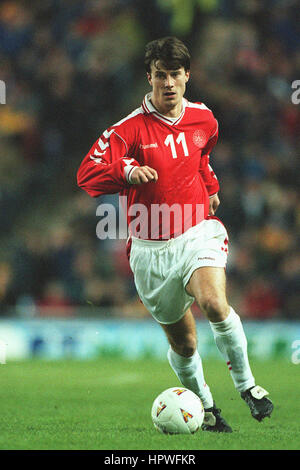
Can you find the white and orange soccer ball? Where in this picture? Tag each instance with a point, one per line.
(177, 410)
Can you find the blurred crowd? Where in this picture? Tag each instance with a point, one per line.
(71, 69)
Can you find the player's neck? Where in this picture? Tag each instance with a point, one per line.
(173, 112)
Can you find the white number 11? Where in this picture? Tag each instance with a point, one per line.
(180, 140)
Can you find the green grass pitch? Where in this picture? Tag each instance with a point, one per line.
(106, 403)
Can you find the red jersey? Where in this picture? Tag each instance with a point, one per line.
(178, 149)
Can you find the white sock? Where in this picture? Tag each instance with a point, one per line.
(232, 343)
(190, 373)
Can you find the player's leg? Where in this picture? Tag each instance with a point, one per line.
(186, 362)
(208, 286)
(160, 283)
(184, 358)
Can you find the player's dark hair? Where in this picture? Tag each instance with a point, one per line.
(170, 51)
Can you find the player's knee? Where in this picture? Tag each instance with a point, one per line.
(215, 308)
(186, 347)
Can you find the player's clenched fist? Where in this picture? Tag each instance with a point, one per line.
(214, 203)
(143, 174)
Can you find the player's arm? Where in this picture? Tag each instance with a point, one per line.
(208, 175)
(107, 167)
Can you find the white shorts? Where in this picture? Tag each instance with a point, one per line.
(162, 269)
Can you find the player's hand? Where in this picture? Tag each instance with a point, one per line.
(214, 203)
(143, 174)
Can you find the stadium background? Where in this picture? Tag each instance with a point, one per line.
(71, 69)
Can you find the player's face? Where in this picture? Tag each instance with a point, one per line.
(168, 88)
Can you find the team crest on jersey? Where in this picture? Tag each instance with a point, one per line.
(186, 416)
(199, 138)
(160, 408)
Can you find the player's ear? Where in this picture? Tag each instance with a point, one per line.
(149, 78)
(187, 76)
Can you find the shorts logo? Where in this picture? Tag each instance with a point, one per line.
(199, 138)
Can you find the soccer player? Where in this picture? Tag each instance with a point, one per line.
(158, 157)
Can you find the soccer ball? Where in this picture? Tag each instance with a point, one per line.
(177, 411)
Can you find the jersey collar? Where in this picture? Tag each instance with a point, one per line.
(150, 109)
